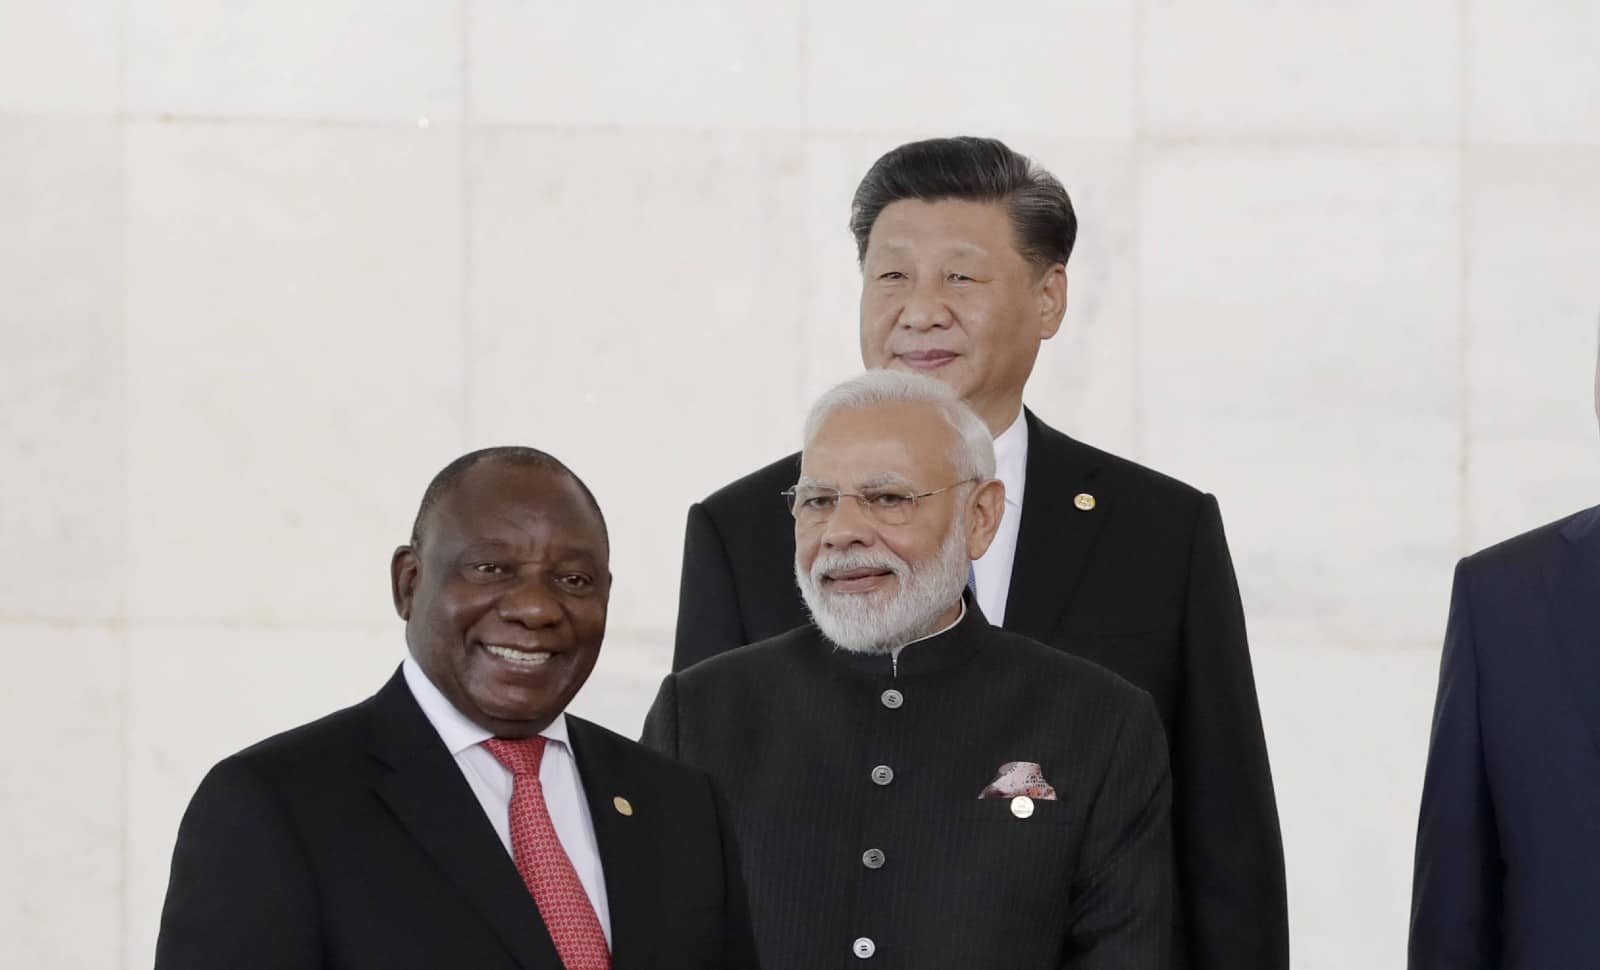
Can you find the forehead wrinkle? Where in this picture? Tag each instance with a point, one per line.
(872, 481)
(882, 480)
(897, 247)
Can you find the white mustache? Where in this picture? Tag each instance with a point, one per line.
(826, 563)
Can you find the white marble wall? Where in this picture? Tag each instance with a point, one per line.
(265, 266)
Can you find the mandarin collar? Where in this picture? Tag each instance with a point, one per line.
(943, 651)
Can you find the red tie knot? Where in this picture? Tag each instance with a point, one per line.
(521, 756)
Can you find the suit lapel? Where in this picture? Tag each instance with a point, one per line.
(1055, 537)
(1574, 584)
(627, 852)
(436, 807)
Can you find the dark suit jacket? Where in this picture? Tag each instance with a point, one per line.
(1508, 846)
(1143, 585)
(793, 731)
(354, 842)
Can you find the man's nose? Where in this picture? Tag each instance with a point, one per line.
(847, 526)
(530, 602)
(926, 307)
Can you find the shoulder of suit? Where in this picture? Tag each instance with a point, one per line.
(634, 758)
(754, 660)
(1129, 476)
(301, 751)
(1056, 667)
(761, 485)
(1533, 546)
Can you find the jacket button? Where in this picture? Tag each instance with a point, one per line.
(892, 699)
(863, 947)
(882, 775)
(872, 858)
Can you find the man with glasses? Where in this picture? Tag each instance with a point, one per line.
(912, 786)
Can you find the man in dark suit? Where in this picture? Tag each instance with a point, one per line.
(1508, 843)
(912, 786)
(963, 246)
(459, 818)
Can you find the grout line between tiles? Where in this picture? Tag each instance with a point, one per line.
(1463, 256)
(124, 653)
(466, 201)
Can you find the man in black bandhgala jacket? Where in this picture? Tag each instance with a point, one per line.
(912, 786)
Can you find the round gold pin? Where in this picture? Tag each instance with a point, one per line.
(1022, 806)
(1084, 501)
(622, 805)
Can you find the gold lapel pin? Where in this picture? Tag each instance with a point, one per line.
(1022, 806)
(622, 805)
(1084, 501)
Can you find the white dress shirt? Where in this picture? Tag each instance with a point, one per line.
(492, 782)
(993, 570)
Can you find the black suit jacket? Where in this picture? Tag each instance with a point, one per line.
(1141, 584)
(1508, 846)
(354, 842)
(799, 737)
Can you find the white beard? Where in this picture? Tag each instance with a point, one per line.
(880, 621)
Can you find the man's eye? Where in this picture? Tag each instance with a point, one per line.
(960, 278)
(888, 500)
(576, 581)
(819, 503)
(488, 568)
(892, 274)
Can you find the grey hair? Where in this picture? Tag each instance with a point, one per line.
(974, 453)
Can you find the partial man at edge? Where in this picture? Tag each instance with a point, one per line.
(1508, 840)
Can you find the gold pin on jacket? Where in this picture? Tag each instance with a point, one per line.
(1084, 501)
(622, 805)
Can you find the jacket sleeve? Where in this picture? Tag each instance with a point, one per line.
(1455, 894)
(661, 723)
(708, 604)
(241, 893)
(1123, 899)
(1229, 846)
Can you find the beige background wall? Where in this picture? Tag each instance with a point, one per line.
(265, 266)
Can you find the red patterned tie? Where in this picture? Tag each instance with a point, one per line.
(545, 868)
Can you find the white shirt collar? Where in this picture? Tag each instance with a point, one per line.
(455, 730)
(1011, 458)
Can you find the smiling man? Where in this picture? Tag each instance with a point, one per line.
(460, 818)
(963, 247)
(913, 787)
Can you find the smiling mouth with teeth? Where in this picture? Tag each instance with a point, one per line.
(526, 658)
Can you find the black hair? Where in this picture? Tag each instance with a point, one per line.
(976, 170)
(520, 455)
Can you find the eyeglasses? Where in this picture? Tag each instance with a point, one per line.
(814, 504)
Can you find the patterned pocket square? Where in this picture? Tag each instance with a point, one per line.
(1019, 778)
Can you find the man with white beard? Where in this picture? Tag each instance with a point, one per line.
(911, 786)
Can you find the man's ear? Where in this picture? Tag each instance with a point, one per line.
(403, 579)
(984, 509)
(1052, 300)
